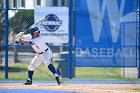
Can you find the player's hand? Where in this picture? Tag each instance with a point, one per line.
(18, 36)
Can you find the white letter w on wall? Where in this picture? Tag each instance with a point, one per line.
(96, 17)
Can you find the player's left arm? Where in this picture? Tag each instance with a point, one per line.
(29, 42)
(24, 41)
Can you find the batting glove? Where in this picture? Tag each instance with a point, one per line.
(19, 35)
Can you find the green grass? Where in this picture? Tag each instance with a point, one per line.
(18, 71)
(137, 89)
(94, 72)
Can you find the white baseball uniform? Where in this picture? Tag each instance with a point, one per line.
(43, 52)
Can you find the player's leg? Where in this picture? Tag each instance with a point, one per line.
(54, 71)
(47, 62)
(34, 63)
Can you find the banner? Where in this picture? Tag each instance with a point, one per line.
(55, 27)
(105, 33)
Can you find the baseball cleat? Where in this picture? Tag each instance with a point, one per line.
(58, 80)
(28, 82)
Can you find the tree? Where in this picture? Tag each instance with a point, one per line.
(21, 21)
(2, 26)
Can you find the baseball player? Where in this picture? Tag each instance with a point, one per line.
(43, 53)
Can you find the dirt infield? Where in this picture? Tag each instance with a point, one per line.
(86, 88)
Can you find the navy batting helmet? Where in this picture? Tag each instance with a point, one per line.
(32, 30)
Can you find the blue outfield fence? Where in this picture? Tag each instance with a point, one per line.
(106, 33)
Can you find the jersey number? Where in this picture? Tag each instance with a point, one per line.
(37, 47)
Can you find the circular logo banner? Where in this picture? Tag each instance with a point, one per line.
(52, 23)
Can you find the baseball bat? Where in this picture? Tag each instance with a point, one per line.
(35, 24)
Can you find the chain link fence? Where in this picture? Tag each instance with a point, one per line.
(21, 17)
(2, 39)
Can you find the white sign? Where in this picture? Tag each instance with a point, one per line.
(54, 27)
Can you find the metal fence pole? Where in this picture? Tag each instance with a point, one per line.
(139, 37)
(70, 41)
(6, 39)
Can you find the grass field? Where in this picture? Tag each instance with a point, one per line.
(18, 71)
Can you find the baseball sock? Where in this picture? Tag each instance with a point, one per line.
(30, 74)
(52, 69)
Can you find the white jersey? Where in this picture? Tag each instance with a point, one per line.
(38, 44)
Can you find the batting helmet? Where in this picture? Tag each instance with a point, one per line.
(32, 30)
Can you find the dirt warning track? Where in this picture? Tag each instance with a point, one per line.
(86, 88)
